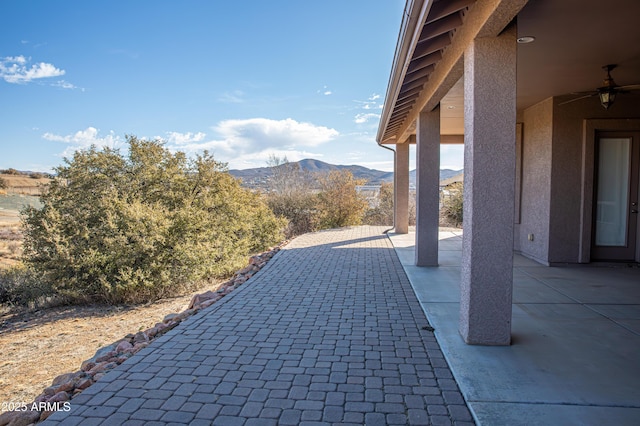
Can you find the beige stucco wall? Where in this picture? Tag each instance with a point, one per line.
(536, 181)
(552, 168)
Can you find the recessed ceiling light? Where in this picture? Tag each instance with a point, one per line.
(525, 39)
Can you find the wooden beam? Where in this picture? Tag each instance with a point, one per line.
(423, 62)
(443, 8)
(403, 111)
(451, 139)
(409, 101)
(412, 78)
(408, 97)
(430, 46)
(439, 27)
(485, 19)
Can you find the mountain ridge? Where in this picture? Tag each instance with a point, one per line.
(258, 176)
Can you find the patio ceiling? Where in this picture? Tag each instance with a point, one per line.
(573, 40)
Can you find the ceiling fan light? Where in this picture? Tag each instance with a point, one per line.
(607, 97)
(526, 39)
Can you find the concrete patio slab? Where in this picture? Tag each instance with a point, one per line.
(575, 343)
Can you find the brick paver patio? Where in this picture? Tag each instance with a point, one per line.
(329, 332)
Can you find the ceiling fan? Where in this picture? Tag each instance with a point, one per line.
(607, 93)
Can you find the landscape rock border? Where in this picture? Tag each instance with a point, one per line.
(67, 386)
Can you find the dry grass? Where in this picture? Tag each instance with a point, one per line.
(10, 234)
(23, 184)
(10, 244)
(37, 346)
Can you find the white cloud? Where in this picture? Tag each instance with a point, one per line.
(241, 143)
(177, 138)
(234, 97)
(64, 85)
(249, 142)
(84, 139)
(370, 104)
(325, 91)
(15, 69)
(364, 118)
(250, 135)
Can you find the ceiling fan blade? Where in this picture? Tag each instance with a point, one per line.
(586, 92)
(576, 99)
(629, 87)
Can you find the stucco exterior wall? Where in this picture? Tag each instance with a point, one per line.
(536, 181)
(552, 173)
(566, 169)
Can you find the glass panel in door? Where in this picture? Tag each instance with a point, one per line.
(615, 229)
(613, 192)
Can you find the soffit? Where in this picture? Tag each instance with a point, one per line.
(574, 39)
(427, 39)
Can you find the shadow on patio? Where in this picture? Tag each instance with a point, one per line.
(328, 332)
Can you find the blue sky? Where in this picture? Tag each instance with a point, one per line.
(242, 79)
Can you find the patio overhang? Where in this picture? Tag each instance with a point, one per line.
(461, 74)
(428, 62)
(573, 40)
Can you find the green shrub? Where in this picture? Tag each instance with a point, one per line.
(298, 208)
(149, 225)
(382, 212)
(452, 203)
(291, 196)
(339, 203)
(11, 171)
(20, 285)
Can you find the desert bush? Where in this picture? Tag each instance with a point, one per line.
(382, 212)
(22, 286)
(313, 201)
(338, 203)
(11, 172)
(452, 203)
(3, 183)
(291, 196)
(38, 175)
(148, 225)
(299, 209)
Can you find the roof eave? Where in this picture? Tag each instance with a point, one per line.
(414, 15)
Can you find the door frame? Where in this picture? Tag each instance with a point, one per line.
(622, 253)
(590, 129)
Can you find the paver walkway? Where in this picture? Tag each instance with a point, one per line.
(329, 332)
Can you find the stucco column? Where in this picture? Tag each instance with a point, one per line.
(489, 178)
(427, 187)
(401, 189)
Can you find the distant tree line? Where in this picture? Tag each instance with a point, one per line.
(116, 228)
(33, 175)
(311, 202)
(136, 228)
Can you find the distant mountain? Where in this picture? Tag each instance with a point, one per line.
(373, 177)
(448, 173)
(259, 177)
(444, 175)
